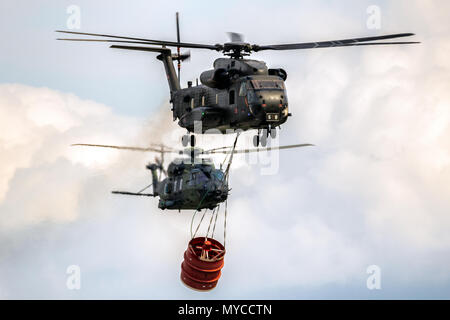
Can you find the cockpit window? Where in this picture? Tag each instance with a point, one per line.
(243, 89)
(267, 84)
(219, 175)
(200, 177)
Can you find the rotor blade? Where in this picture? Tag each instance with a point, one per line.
(106, 35)
(210, 150)
(236, 37)
(351, 45)
(186, 56)
(108, 40)
(134, 193)
(333, 43)
(178, 27)
(148, 41)
(148, 149)
(259, 149)
(178, 47)
(378, 43)
(173, 44)
(137, 48)
(161, 146)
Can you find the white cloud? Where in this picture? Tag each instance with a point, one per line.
(38, 125)
(373, 191)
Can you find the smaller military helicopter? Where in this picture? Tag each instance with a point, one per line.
(191, 182)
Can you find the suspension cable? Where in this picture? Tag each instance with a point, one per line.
(215, 222)
(198, 226)
(142, 190)
(225, 224)
(210, 221)
(216, 209)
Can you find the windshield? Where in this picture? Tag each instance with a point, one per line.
(200, 177)
(267, 84)
(218, 174)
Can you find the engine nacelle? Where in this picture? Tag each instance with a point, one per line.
(175, 168)
(278, 72)
(218, 78)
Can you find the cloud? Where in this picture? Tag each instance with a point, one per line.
(37, 127)
(387, 123)
(373, 190)
(53, 195)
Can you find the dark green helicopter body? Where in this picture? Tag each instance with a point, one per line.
(189, 185)
(237, 94)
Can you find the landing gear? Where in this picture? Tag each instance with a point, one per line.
(273, 133)
(261, 139)
(256, 138)
(186, 139)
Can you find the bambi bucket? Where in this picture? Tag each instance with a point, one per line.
(202, 264)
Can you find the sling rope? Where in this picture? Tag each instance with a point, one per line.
(198, 226)
(215, 222)
(216, 209)
(142, 190)
(225, 224)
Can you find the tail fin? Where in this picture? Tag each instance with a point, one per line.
(155, 179)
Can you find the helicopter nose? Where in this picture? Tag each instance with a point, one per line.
(272, 102)
(221, 194)
(270, 107)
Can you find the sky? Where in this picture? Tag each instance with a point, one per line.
(305, 225)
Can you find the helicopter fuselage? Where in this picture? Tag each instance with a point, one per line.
(236, 94)
(191, 186)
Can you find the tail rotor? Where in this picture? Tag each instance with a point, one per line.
(186, 56)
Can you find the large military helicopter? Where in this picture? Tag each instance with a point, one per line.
(239, 93)
(191, 182)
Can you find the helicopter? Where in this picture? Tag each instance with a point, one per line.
(191, 182)
(238, 93)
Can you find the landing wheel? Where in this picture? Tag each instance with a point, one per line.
(264, 139)
(256, 140)
(192, 140)
(185, 140)
(273, 133)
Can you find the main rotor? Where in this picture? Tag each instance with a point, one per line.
(237, 48)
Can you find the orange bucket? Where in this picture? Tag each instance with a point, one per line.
(203, 261)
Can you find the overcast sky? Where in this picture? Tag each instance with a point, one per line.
(373, 191)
